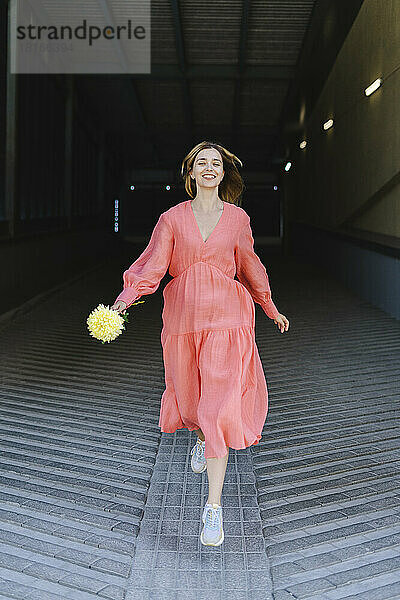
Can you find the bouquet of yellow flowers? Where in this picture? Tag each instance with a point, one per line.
(106, 324)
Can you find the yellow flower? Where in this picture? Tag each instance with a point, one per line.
(106, 324)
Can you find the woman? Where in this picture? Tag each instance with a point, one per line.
(215, 384)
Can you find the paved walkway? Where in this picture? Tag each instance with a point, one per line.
(96, 503)
(170, 558)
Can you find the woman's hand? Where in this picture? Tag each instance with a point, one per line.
(282, 322)
(119, 306)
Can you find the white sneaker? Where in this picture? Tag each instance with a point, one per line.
(212, 533)
(198, 461)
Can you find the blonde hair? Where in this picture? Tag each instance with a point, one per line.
(231, 187)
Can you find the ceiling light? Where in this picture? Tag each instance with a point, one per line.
(328, 124)
(287, 166)
(374, 86)
(303, 144)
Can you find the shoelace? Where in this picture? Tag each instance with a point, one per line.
(213, 518)
(199, 449)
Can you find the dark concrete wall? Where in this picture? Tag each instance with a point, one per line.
(347, 180)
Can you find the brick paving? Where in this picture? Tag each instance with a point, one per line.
(170, 561)
(96, 503)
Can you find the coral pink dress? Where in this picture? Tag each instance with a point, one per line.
(213, 373)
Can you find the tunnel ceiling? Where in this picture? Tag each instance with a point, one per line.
(220, 71)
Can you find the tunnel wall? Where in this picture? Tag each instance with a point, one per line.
(58, 179)
(371, 269)
(3, 79)
(344, 187)
(30, 267)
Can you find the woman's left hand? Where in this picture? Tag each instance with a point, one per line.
(282, 322)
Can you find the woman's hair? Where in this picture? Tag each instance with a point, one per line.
(231, 186)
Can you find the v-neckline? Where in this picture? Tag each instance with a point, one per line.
(197, 225)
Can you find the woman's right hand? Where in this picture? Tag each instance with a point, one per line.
(119, 306)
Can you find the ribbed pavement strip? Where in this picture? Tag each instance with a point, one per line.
(328, 466)
(78, 441)
(315, 505)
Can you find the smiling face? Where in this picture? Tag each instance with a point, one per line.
(208, 168)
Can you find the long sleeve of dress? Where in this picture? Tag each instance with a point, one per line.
(145, 274)
(252, 273)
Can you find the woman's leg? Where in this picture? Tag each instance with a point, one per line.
(216, 468)
(200, 434)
